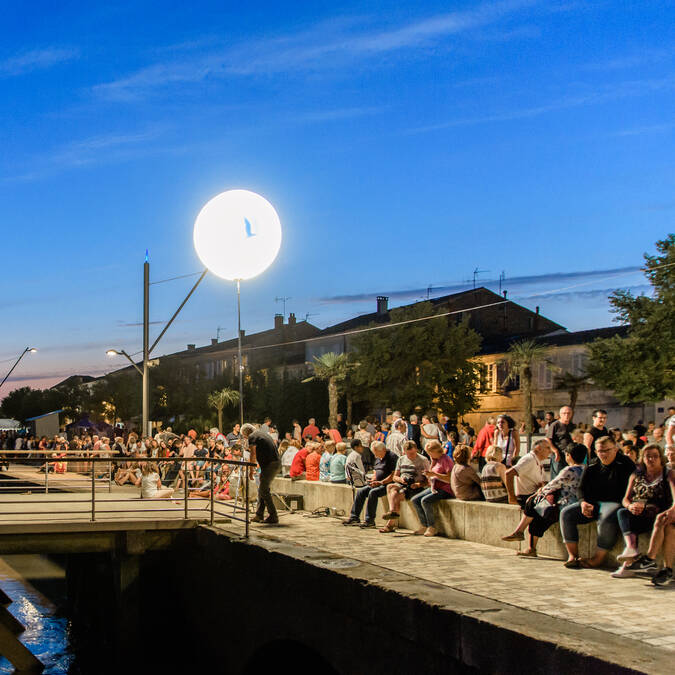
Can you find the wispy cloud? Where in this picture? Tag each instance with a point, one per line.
(325, 46)
(510, 283)
(85, 152)
(646, 129)
(609, 92)
(338, 114)
(37, 59)
(568, 296)
(637, 59)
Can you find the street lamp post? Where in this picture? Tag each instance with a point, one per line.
(32, 350)
(237, 235)
(145, 371)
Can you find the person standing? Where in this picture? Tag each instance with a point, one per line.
(597, 430)
(484, 441)
(263, 451)
(559, 434)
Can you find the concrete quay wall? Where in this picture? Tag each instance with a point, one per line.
(480, 522)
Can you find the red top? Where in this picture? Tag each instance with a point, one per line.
(310, 431)
(335, 435)
(298, 464)
(484, 440)
(312, 464)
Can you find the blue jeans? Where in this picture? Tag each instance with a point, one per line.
(424, 505)
(604, 513)
(371, 494)
(631, 524)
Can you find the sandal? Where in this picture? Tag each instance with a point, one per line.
(390, 515)
(573, 564)
(527, 553)
(386, 529)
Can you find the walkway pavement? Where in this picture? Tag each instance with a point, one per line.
(633, 607)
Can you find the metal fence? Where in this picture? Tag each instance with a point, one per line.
(94, 475)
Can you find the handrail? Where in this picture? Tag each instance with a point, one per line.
(47, 458)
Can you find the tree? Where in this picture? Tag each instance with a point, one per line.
(220, 399)
(424, 363)
(571, 383)
(640, 367)
(117, 397)
(521, 358)
(26, 402)
(333, 368)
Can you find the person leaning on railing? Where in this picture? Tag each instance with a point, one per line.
(263, 451)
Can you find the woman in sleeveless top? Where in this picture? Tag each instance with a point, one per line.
(649, 491)
(492, 476)
(507, 438)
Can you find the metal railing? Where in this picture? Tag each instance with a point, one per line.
(216, 471)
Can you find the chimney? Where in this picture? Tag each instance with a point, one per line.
(278, 321)
(505, 292)
(214, 341)
(190, 348)
(241, 332)
(291, 319)
(382, 304)
(535, 323)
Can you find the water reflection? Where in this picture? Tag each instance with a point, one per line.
(47, 630)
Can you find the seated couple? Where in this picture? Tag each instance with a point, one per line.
(410, 476)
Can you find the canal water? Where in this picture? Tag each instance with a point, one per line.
(47, 633)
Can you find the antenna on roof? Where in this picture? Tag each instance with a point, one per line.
(282, 299)
(502, 279)
(476, 272)
(218, 332)
(308, 315)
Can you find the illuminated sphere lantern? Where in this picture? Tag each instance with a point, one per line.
(237, 235)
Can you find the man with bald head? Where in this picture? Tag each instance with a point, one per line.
(559, 434)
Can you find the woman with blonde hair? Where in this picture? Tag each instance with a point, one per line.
(151, 483)
(493, 476)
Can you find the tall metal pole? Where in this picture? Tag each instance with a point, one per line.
(11, 370)
(146, 341)
(240, 365)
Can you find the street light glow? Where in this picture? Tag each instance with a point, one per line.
(32, 350)
(237, 234)
(112, 352)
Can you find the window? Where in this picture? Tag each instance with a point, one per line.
(579, 363)
(545, 376)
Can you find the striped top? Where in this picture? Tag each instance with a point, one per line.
(491, 484)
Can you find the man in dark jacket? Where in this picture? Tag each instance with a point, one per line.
(603, 486)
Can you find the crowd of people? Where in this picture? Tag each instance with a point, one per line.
(573, 474)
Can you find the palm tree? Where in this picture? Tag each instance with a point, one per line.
(571, 383)
(334, 368)
(221, 398)
(521, 359)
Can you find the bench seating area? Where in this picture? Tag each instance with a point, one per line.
(480, 522)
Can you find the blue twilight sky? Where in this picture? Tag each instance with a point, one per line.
(403, 144)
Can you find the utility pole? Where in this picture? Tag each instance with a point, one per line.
(146, 341)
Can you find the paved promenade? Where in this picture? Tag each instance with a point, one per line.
(633, 608)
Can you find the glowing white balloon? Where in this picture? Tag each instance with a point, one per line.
(237, 234)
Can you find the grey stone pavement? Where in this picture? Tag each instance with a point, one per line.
(632, 607)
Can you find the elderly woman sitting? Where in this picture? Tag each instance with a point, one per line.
(493, 476)
(464, 480)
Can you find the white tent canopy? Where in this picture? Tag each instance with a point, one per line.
(9, 425)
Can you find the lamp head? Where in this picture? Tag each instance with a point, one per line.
(32, 350)
(112, 352)
(237, 234)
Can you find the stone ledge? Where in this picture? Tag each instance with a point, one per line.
(480, 522)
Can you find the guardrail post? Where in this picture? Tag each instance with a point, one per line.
(93, 491)
(46, 477)
(187, 494)
(110, 476)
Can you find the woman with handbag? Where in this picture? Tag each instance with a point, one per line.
(543, 507)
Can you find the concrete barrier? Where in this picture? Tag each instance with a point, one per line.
(480, 522)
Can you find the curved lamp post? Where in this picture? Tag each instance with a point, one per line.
(237, 235)
(32, 350)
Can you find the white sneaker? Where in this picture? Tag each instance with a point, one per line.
(623, 572)
(628, 553)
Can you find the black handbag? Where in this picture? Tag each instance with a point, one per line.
(545, 509)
